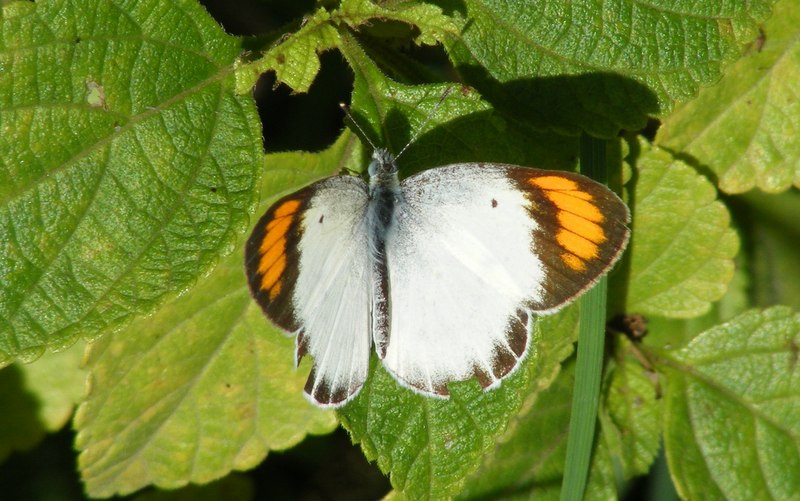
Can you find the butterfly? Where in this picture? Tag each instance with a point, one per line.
(443, 273)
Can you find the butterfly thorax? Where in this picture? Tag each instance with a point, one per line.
(384, 194)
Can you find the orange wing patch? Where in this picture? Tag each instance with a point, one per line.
(272, 262)
(580, 220)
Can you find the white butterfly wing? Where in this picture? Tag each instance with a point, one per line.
(469, 266)
(308, 267)
(458, 278)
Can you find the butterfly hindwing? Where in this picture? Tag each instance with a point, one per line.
(308, 267)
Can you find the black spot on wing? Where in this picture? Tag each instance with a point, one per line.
(301, 347)
(322, 392)
(507, 356)
(517, 333)
(439, 387)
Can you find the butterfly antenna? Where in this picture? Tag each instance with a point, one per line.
(432, 113)
(425, 123)
(346, 110)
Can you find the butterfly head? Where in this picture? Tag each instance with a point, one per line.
(383, 164)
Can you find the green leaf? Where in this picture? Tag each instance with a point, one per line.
(629, 418)
(529, 459)
(598, 66)
(529, 456)
(287, 172)
(128, 163)
(206, 385)
(203, 387)
(682, 246)
(745, 128)
(665, 332)
(732, 409)
(295, 60)
(429, 446)
(433, 26)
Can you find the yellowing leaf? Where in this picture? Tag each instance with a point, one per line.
(745, 128)
(203, 387)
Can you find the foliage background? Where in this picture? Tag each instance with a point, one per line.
(768, 264)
